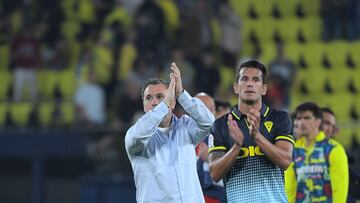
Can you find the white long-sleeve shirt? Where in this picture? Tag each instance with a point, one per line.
(164, 162)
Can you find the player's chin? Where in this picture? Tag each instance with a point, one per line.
(250, 99)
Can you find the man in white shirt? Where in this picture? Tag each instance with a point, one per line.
(161, 147)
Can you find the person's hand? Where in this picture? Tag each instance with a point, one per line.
(177, 75)
(203, 151)
(235, 132)
(253, 119)
(169, 98)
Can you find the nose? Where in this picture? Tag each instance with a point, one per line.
(155, 102)
(249, 83)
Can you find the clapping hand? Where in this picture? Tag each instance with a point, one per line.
(169, 98)
(253, 118)
(235, 132)
(176, 73)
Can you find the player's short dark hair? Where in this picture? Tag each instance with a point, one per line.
(309, 106)
(221, 104)
(327, 110)
(153, 81)
(252, 64)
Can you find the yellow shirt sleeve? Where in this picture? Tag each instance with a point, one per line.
(339, 173)
(290, 183)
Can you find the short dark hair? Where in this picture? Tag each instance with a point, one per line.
(309, 106)
(221, 104)
(153, 81)
(252, 64)
(327, 110)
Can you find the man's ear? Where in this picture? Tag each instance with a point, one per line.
(235, 86)
(264, 89)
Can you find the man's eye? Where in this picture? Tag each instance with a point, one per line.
(160, 97)
(148, 98)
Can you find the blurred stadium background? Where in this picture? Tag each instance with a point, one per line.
(71, 73)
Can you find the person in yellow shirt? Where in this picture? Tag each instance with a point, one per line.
(319, 168)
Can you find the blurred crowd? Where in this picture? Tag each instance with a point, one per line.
(101, 51)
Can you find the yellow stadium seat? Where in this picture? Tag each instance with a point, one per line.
(6, 81)
(263, 8)
(337, 52)
(354, 48)
(20, 112)
(103, 63)
(264, 29)
(357, 133)
(75, 50)
(67, 83)
(288, 29)
(296, 99)
(341, 104)
(354, 77)
(293, 50)
(345, 136)
(67, 7)
(4, 107)
(241, 7)
(16, 20)
(226, 77)
(69, 29)
(45, 113)
(313, 54)
(68, 113)
(171, 15)
(339, 79)
(286, 8)
(311, 28)
(47, 82)
(268, 52)
(4, 57)
(86, 11)
(314, 79)
(310, 7)
(127, 56)
(118, 14)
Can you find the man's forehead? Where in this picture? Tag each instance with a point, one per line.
(250, 71)
(306, 113)
(328, 116)
(154, 89)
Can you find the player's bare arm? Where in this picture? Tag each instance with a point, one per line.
(221, 162)
(280, 153)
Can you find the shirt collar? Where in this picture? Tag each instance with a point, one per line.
(302, 141)
(237, 114)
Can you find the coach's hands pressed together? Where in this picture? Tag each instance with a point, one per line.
(176, 73)
(169, 98)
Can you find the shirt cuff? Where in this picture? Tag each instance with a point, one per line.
(161, 109)
(184, 97)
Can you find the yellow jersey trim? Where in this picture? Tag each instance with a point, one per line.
(288, 138)
(217, 148)
(267, 111)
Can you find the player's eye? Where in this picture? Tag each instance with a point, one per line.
(160, 97)
(148, 98)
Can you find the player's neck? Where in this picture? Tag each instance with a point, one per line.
(311, 138)
(166, 122)
(245, 107)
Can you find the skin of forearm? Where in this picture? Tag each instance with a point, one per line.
(219, 166)
(277, 155)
